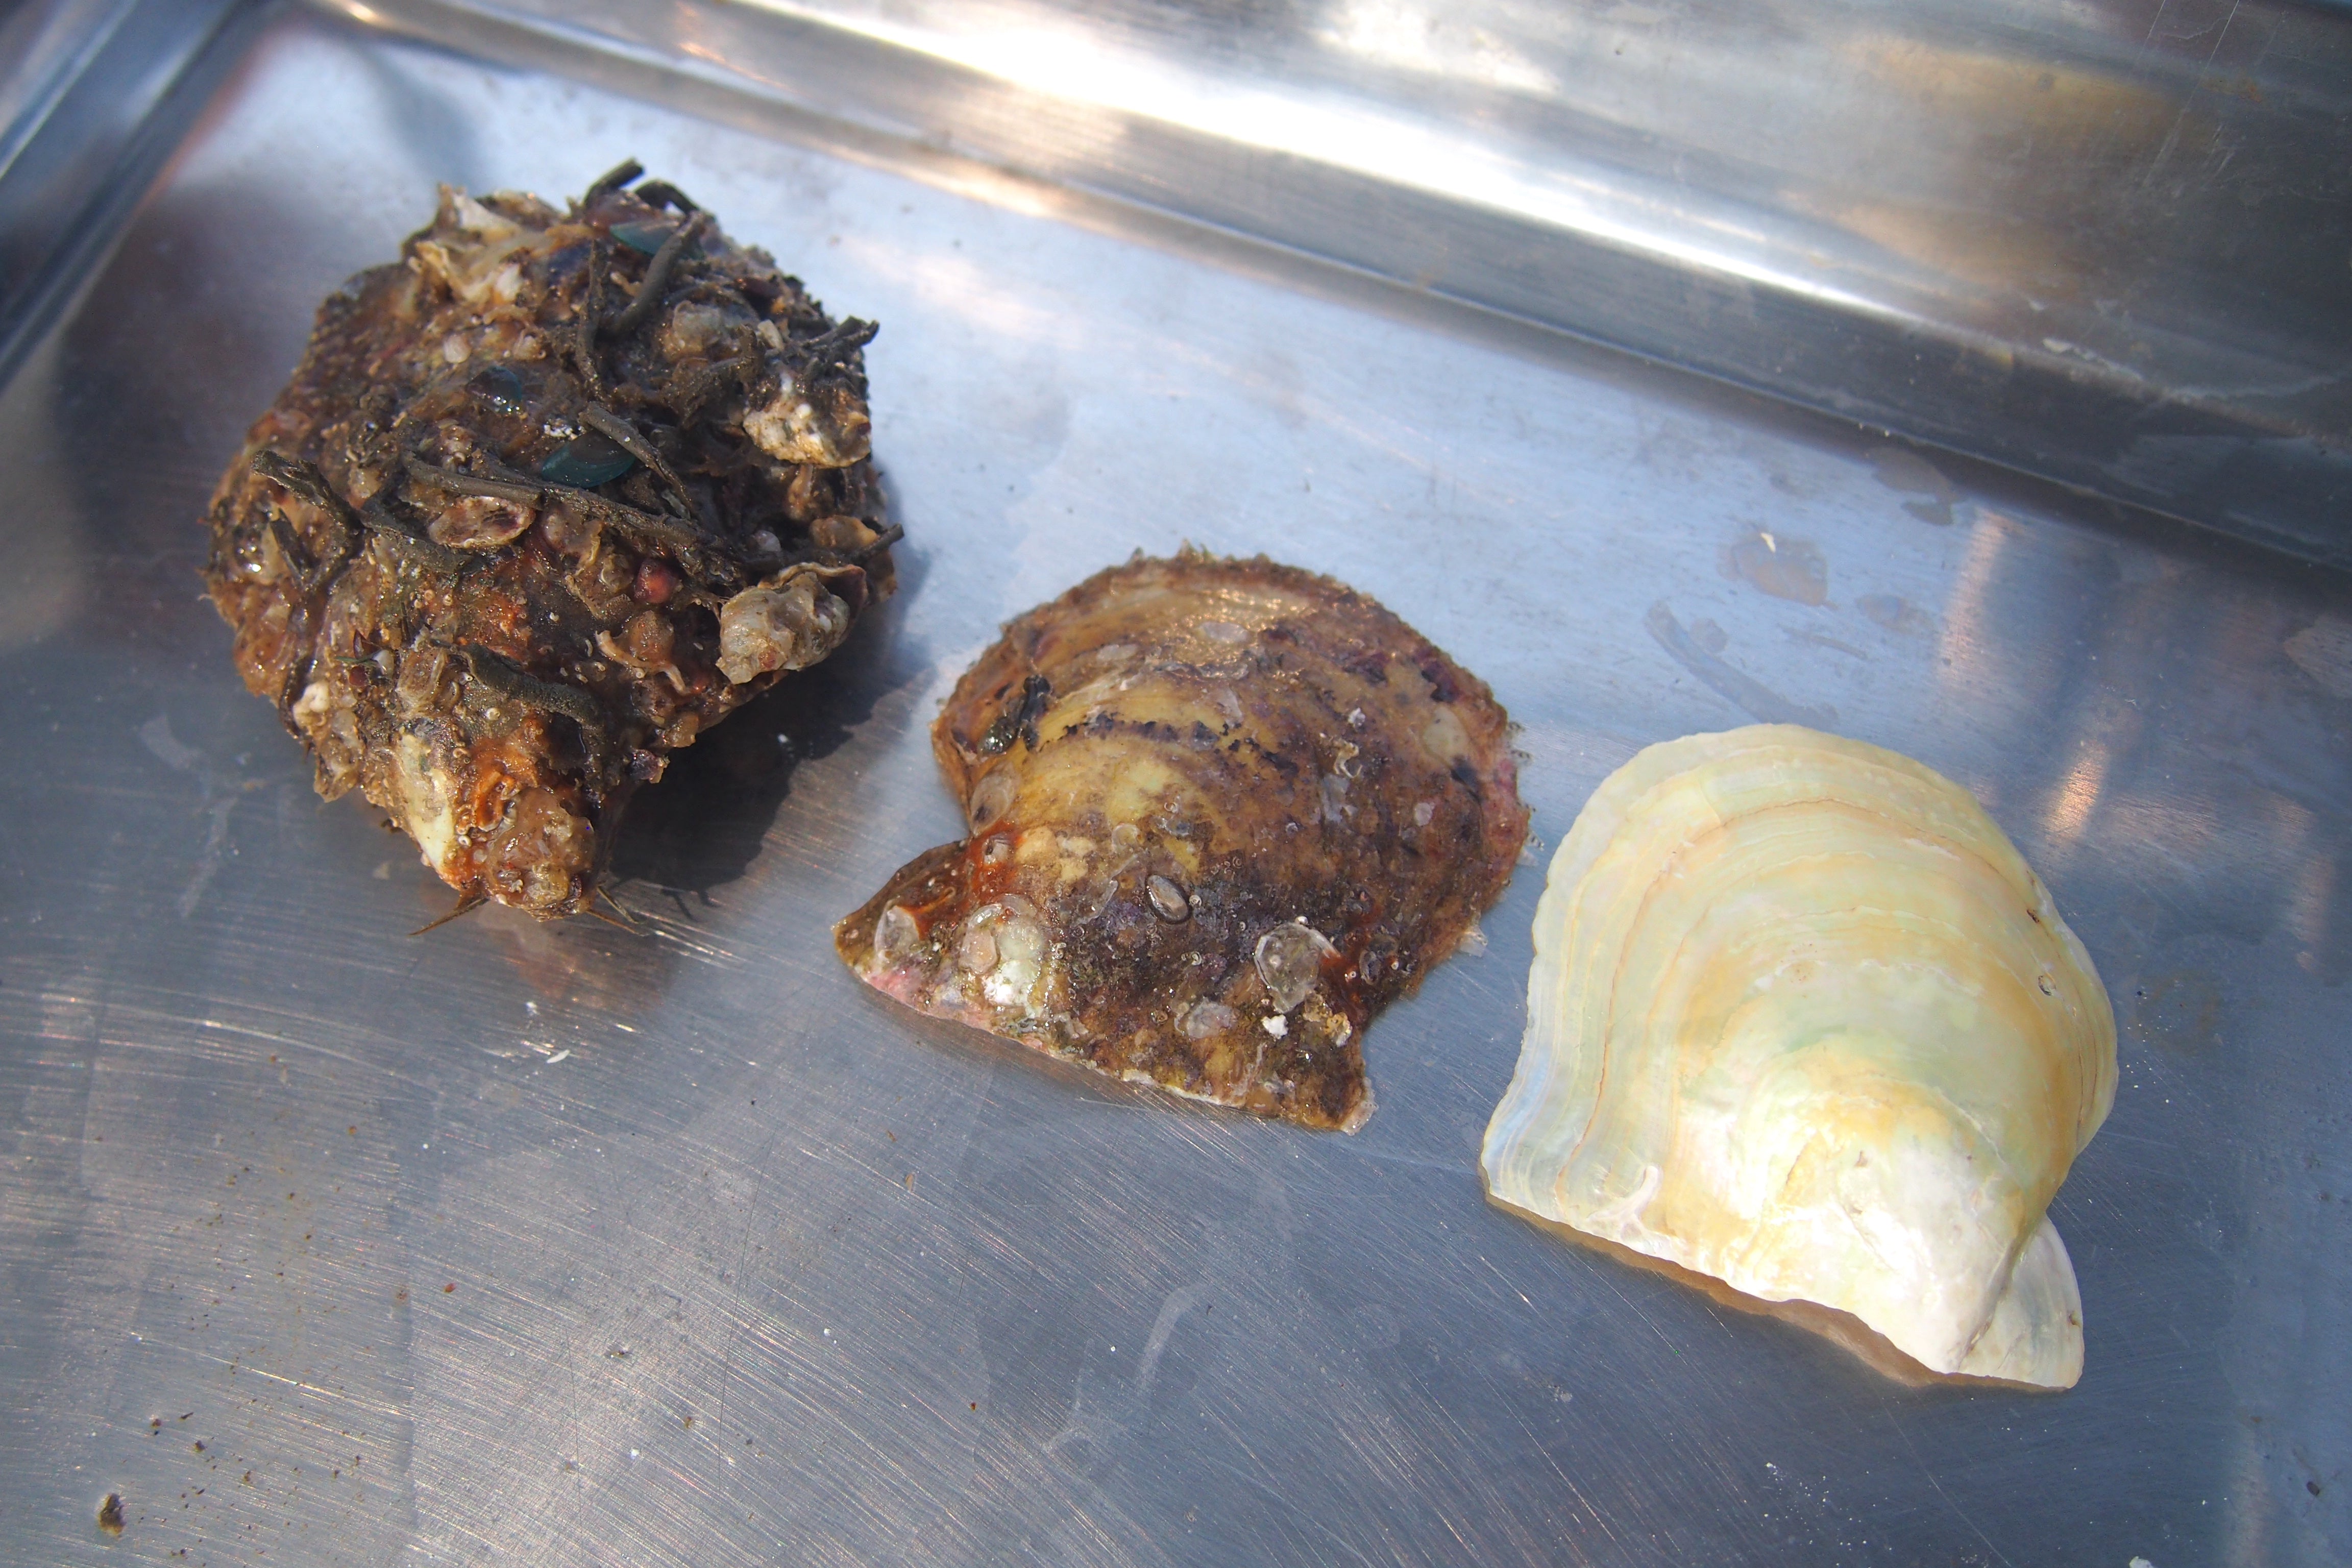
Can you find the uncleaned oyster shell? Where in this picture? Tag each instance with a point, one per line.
(1803, 1019)
(546, 498)
(1222, 813)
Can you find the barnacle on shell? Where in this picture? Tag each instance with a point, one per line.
(545, 499)
(1803, 1020)
(1221, 812)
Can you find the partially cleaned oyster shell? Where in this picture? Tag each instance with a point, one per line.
(1221, 812)
(1803, 1019)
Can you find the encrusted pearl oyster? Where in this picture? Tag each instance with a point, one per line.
(1221, 812)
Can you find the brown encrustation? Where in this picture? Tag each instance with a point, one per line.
(545, 499)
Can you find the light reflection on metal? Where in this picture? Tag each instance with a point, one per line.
(1966, 614)
(2069, 811)
(1362, 135)
(1439, 41)
(2313, 908)
(959, 282)
(2311, 862)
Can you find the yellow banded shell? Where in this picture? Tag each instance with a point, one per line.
(1801, 1018)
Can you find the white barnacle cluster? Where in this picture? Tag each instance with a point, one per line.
(1289, 960)
(477, 269)
(789, 622)
(1004, 949)
(991, 797)
(800, 424)
(897, 936)
(1200, 1020)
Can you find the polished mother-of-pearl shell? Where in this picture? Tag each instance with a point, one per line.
(1801, 1018)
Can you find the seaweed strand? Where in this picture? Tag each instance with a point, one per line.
(625, 435)
(510, 680)
(586, 320)
(662, 193)
(876, 546)
(304, 479)
(830, 350)
(466, 904)
(655, 286)
(612, 179)
(459, 484)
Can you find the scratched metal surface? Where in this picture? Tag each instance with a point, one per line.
(321, 1243)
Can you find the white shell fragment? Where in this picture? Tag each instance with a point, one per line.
(1803, 1019)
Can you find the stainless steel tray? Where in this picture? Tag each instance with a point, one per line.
(321, 1243)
